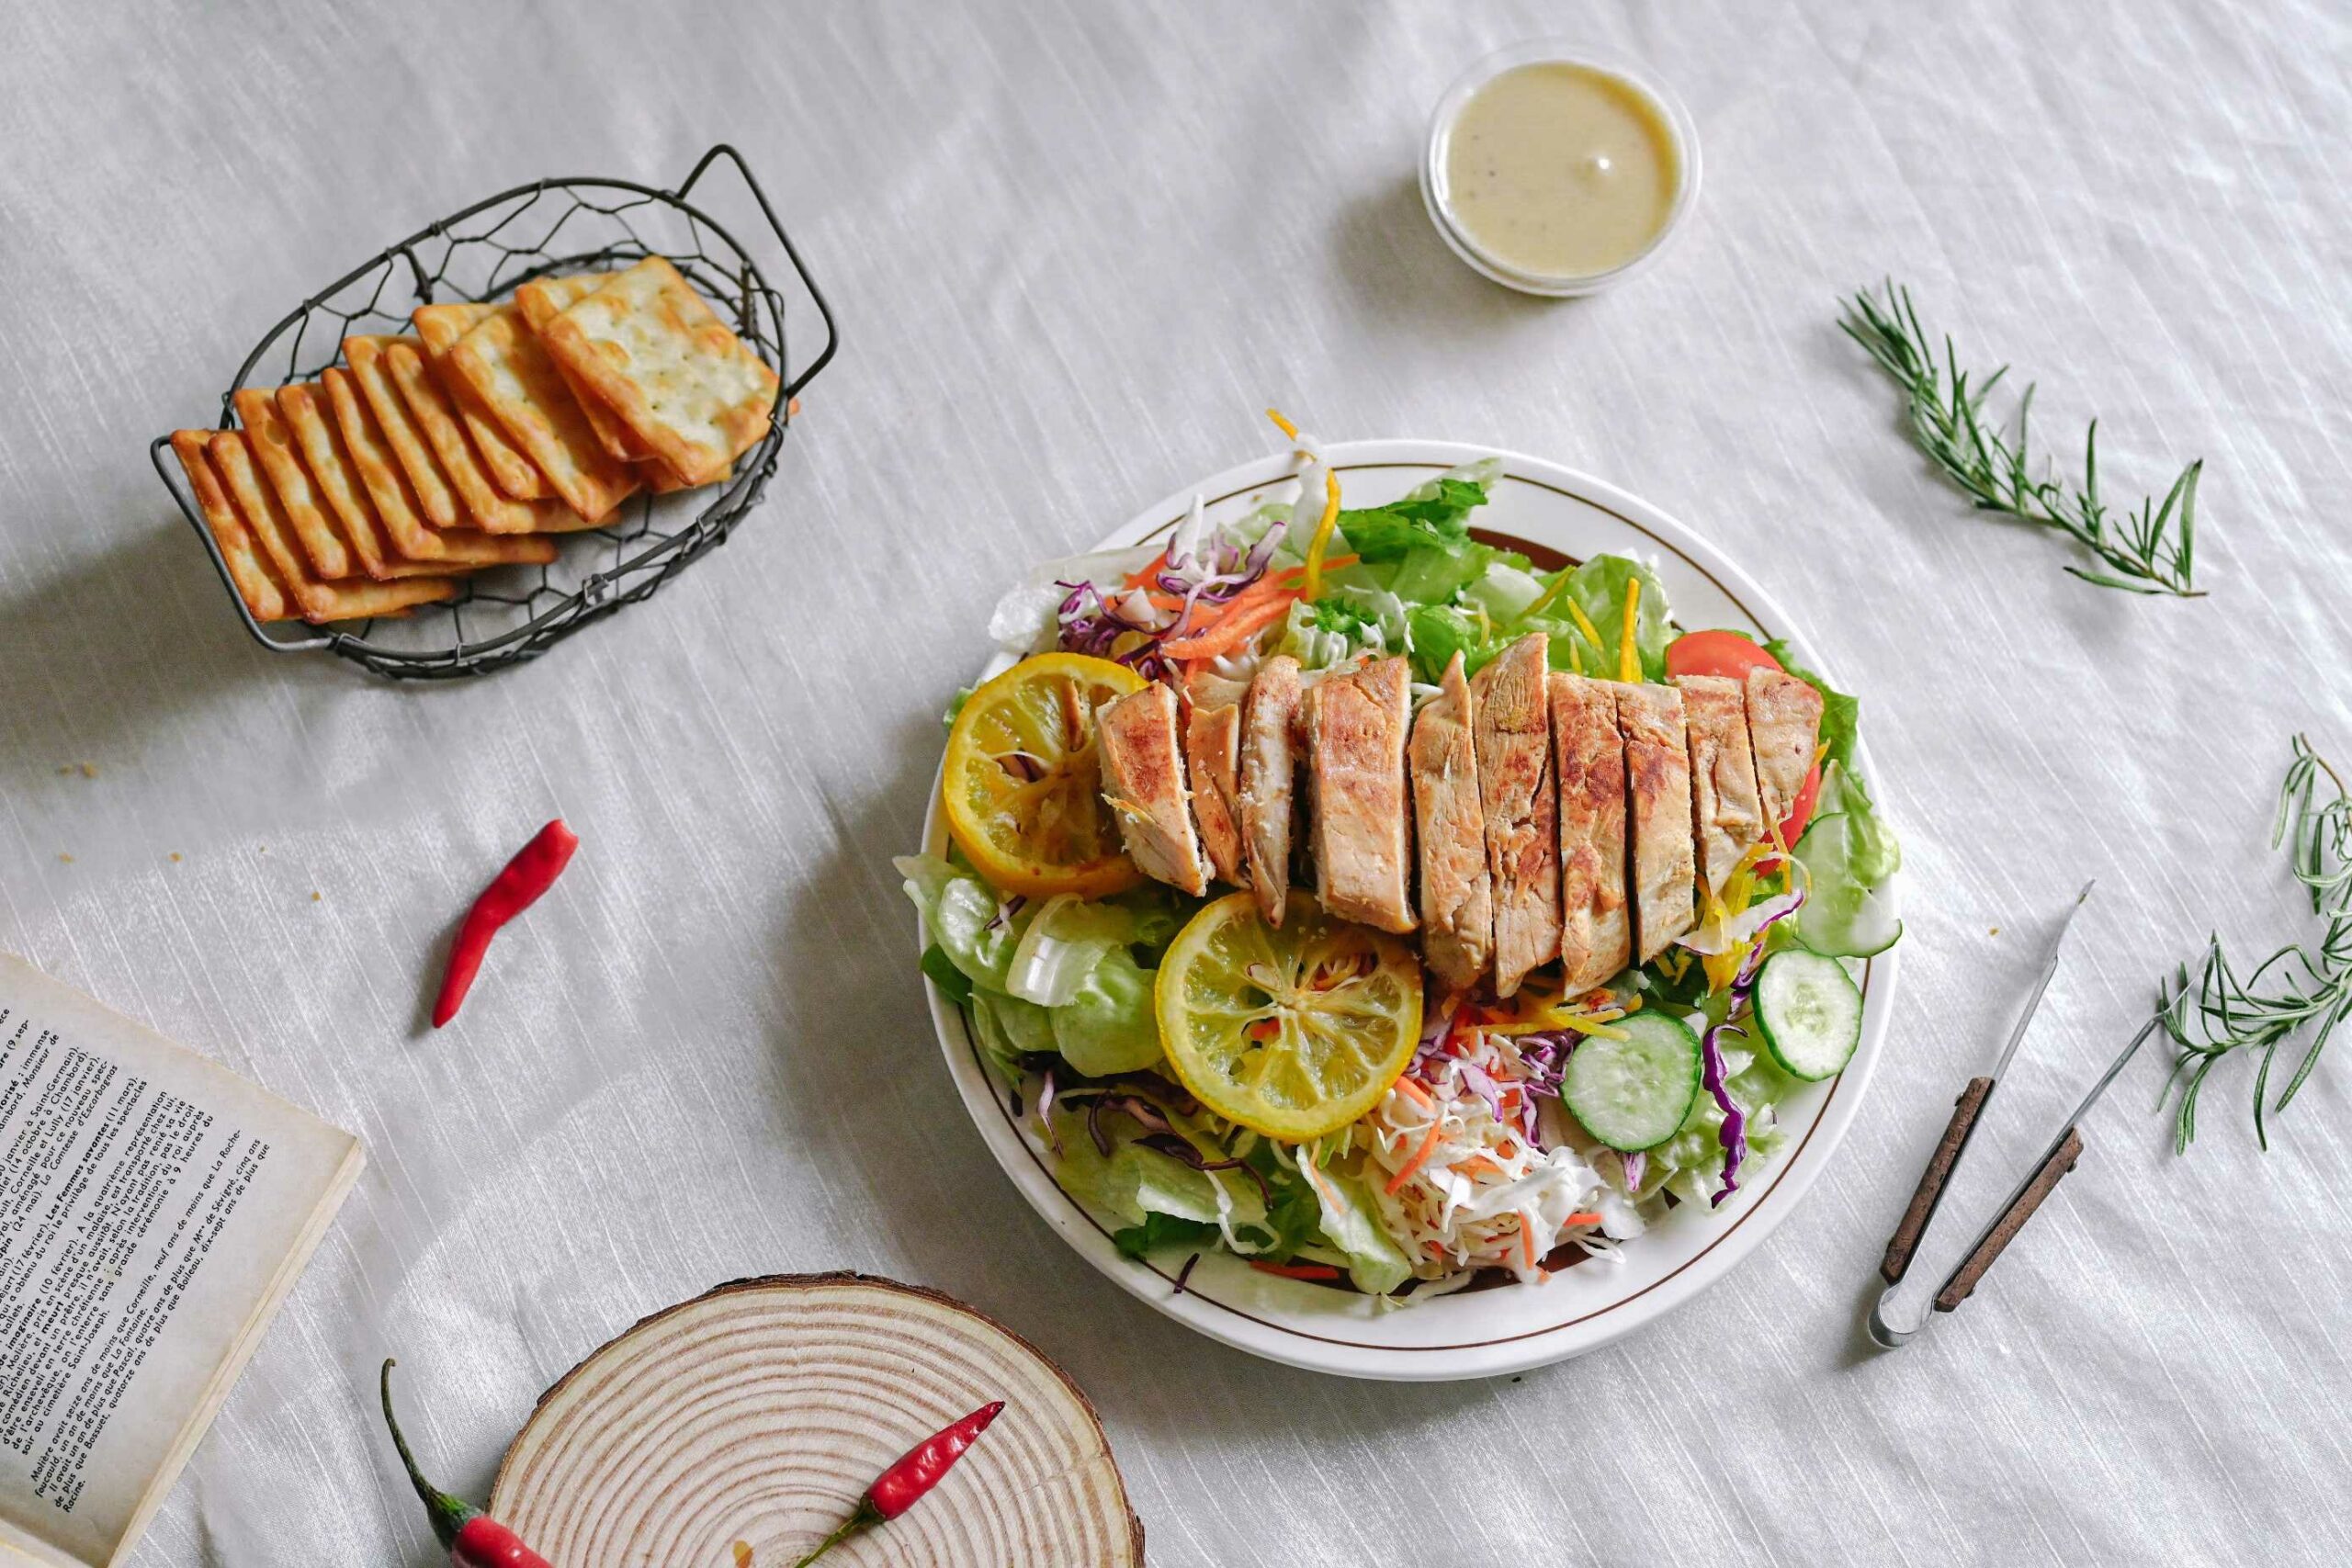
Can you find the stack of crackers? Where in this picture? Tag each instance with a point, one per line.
(420, 459)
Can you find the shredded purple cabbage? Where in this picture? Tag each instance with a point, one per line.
(1437, 1016)
(1734, 1134)
(1093, 619)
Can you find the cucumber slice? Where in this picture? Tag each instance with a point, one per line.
(1633, 1092)
(1809, 1013)
(1842, 917)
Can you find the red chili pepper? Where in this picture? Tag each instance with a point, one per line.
(1296, 1270)
(473, 1539)
(917, 1470)
(531, 872)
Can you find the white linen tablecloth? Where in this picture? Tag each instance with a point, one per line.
(1075, 249)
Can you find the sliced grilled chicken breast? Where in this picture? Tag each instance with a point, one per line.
(1512, 730)
(1657, 790)
(1783, 726)
(1355, 727)
(1726, 818)
(1596, 927)
(1213, 762)
(1457, 890)
(1269, 717)
(1143, 778)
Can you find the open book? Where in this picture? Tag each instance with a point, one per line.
(154, 1209)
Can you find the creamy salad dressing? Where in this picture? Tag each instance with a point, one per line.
(1562, 170)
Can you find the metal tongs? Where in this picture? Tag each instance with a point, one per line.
(2055, 1161)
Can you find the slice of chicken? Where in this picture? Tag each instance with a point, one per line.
(1783, 726)
(1143, 778)
(1596, 927)
(1457, 889)
(1213, 762)
(1725, 815)
(1269, 720)
(1513, 732)
(1658, 789)
(1355, 727)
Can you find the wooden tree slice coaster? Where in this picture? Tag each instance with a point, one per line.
(759, 1414)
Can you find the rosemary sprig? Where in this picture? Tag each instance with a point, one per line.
(2151, 551)
(2296, 986)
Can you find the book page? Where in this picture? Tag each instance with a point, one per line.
(153, 1208)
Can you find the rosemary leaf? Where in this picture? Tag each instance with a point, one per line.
(2219, 1014)
(2151, 551)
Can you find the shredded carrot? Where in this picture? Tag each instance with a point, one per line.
(1421, 1156)
(1478, 1164)
(1583, 1217)
(1295, 1270)
(1293, 576)
(1159, 564)
(1629, 655)
(1415, 1093)
(1526, 1239)
(1231, 629)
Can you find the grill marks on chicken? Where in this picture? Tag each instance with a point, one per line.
(1355, 728)
(1596, 927)
(1658, 789)
(1513, 732)
(1457, 889)
(1549, 815)
(1726, 818)
(1143, 778)
(1269, 720)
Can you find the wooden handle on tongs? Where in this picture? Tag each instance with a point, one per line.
(2057, 1163)
(1906, 1241)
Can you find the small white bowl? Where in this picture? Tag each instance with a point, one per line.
(1435, 194)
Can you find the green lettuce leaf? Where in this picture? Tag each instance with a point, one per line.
(1008, 1029)
(1376, 1262)
(1156, 1183)
(1598, 588)
(1439, 631)
(1162, 1230)
(1435, 517)
(961, 913)
(1872, 853)
(953, 982)
(1108, 1026)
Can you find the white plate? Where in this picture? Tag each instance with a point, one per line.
(1508, 1328)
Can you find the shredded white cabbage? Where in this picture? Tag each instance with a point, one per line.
(1462, 1187)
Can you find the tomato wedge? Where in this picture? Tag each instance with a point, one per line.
(1801, 808)
(1716, 653)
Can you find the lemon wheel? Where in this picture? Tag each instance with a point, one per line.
(1023, 779)
(1294, 1033)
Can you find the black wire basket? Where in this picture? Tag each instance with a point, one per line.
(508, 614)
